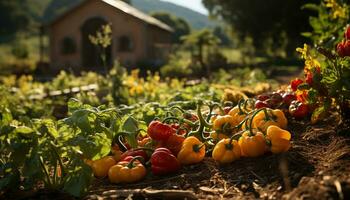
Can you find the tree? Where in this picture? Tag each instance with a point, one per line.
(221, 33)
(263, 19)
(128, 1)
(13, 17)
(197, 41)
(179, 25)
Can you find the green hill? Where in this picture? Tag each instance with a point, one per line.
(195, 19)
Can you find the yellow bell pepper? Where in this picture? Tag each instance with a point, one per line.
(252, 145)
(237, 115)
(217, 136)
(267, 117)
(224, 124)
(100, 167)
(279, 139)
(226, 151)
(192, 151)
(127, 172)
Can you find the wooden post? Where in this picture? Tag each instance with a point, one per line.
(41, 43)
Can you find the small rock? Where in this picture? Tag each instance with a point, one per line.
(186, 186)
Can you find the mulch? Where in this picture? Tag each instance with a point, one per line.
(316, 167)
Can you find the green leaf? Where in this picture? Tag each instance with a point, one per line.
(318, 114)
(93, 146)
(7, 130)
(304, 86)
(311, 6)
(5, 117)
(78, 181)
(306, 34)
(130, 124)
(74, 104)
(11, 178)
(24, 130)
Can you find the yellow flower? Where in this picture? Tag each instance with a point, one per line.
(303, 51)
(337, 10)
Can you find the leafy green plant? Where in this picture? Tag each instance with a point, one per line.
(328, 25)
(57, 147)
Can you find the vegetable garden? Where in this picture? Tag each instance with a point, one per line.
(166, 138)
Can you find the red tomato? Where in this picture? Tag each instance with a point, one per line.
(298, 109)
(347, 33)
(295, 83)
(164, 162)
(288, 98)
(261, 104)
(174, 143)
(160, 131)
(263, 97)
(343, 48)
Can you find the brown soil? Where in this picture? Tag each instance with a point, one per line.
(317, 167)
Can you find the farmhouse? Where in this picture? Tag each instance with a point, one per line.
(137, 38)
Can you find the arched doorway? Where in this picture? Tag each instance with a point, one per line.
(91, 54)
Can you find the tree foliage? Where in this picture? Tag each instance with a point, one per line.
(263, 19)
(197, 41)
(179, 25)
(13, 17)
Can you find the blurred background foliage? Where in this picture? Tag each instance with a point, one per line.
(237, 35)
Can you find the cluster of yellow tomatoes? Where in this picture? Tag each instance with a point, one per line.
(234, 134)
(257, 132)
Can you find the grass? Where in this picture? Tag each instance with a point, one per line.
(10, 64)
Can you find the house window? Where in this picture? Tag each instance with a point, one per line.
(125, 44)
(68, 46)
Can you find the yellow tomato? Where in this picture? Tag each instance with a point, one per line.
(126, 172)
(100, 167)
(252, 145)
(192, 151)
(226, 151)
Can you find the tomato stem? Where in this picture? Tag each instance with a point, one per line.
(197, 147)
(131, 163)
(170, 118)
(241, 112)
(120, 143)
(177, 108)
(252, 118)
(144, 148)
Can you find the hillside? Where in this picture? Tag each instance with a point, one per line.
(195, 19)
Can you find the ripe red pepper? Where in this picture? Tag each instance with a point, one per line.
(343, 48)
(263, 97)
(227, 109)
(134, 153)
(288, 97)
(160, 131)
(174, 143)
(182, 131)
(261, 104)
(295, 83)
(347, 33)
(191, 117)
(298, 109)
(164, 162)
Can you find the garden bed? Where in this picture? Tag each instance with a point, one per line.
(316, 167)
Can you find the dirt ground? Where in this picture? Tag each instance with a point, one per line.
(316, 167)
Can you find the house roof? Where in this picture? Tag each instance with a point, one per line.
(126, 8)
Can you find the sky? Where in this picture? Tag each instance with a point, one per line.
(192, 4)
